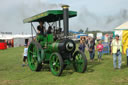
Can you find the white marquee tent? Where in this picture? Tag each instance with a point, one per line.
(18, 39)
(122, 31)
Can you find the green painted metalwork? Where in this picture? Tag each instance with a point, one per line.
(44, 49)
(39, 38)
(50, 38)
(53, 47)
(33, 56)
(48, 46)
(67, 62)
(80, 62)
(47, 41)
(49, 16)
(56, 64)
(58, 54)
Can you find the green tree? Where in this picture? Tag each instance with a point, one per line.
(86, 31)
(81, 30)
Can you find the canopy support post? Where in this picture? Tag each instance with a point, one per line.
(56, 24)
(31, 31)
(59, 23)
(33, 27)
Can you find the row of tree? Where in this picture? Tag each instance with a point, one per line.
(95, 31)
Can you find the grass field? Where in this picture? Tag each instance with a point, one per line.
(12, 73)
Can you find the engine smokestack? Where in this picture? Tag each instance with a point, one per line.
(66, 20)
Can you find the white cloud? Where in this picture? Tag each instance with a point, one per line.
(92, 13)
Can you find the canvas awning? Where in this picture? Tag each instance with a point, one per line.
(49, 16)
(8, 37)
(122, 27)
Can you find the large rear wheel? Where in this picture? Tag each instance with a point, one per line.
(79, 62)
(33, 54)
(56, 64)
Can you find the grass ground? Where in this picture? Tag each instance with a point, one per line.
(12, 73)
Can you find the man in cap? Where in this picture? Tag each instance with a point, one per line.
(116, 47)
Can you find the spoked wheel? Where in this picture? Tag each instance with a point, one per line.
(56, 64)
(80, 62)
(33, 54)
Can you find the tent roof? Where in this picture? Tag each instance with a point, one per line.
(124, 26)
(7, 37)
(49, 16)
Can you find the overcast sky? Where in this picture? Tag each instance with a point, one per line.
(94, 14)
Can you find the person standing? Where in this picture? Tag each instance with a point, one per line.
(86, 42)
(40, 31)
(40, 28)
(25, 54)
(110, 41)
(116, 47)
(100, 49)
(127, 54)
(82, 44)
(91, 49)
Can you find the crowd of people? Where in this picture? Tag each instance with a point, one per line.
(91, 46)
(116, 49)
(9, 43)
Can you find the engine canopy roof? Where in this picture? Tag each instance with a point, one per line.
(49, 16)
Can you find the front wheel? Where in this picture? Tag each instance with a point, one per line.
(79, 62)
(33, 55)
(56, 64)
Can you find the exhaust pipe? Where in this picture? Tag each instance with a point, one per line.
(66, 20)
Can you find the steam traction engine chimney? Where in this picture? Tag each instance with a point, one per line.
(66, 20)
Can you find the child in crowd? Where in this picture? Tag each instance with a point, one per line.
(25, 54)
(99, 49)
(127, 54)
(82, 44)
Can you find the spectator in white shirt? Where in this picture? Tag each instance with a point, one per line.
(25, 54)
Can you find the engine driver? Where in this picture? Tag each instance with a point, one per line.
(40, 28)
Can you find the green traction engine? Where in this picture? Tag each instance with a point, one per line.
(57, 53)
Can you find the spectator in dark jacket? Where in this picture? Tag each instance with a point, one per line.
(91, 49)
(82, 44)
(40, 28)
